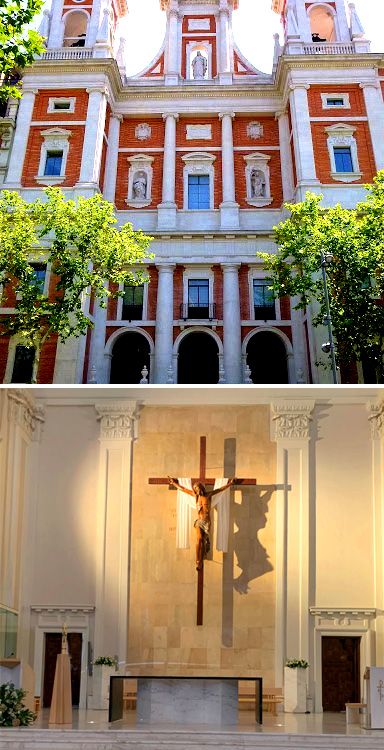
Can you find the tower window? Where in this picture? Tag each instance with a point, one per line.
(133, 300)
(198, 192)
(343, 159)
(263, 300)
(53, 163)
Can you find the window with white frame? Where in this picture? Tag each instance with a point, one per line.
(342, 148)
(335, 101)
(61, 104)
(53, 156)
(199, 180)
(198, 295)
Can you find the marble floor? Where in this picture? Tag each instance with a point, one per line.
(300, 724)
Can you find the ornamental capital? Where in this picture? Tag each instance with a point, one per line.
(25, 413)
(230, 114)
(299, 85)
(376, 418)
(97, 90)
(118, 419)
(175, 115)
(369, 85)
(292, 419)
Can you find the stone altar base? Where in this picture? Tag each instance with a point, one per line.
(194, 701)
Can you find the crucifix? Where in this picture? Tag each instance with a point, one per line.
(206, 482)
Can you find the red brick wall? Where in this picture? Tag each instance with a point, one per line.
(40, 108)
(218, 290)
(356, 99)
(364, 150)
(4, 343)
(47, 361)
(275, 179)
(244, 291)
(177, 291)
(270, 135)
(285, 308)
(32, 159)
(129, 140)
(152, 292)
(194, 145)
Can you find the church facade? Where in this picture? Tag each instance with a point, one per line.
(200, 150)
(302, 573)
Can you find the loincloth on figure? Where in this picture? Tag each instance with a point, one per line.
(205, 528)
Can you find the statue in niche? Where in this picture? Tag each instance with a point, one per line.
(203, 521)
(257, 184)
(139, 186)
(199, 66)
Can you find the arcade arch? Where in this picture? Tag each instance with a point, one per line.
(197, 356)
(269, 354)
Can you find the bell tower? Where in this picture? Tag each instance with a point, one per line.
(321, 23)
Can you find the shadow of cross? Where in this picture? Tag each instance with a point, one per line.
(208, 482)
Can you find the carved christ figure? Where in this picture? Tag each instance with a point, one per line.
(199, 66)
(203, 521)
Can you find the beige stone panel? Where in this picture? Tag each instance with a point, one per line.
(254, 638)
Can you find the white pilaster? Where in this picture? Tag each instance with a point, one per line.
(295, 518)
(232, 324)
(164, 323)
(299, 344)
(302, 138)
(96, 351)
(118, 431)
(229, 209)
(172, 57)
(376, 417)
(112, 157)
(93, 141)
(167, 207)
(20, 140)
(375, 112)
(224, 57)
(285, 156)
(56, 30)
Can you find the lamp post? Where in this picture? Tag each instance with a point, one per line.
(329, 347)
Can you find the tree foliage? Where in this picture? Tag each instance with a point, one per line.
(18, 43)
(82, 247)
(355, 240)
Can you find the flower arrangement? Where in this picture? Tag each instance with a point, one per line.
(13, 713)
(296, 664)
(106, 661)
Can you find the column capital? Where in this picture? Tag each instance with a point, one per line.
(230, 114)
(175, 115)
(230, 267)
(291, 419)
(369, 85)
(26, 413)
(29, 90)
(376, 418)
(118, 419)
(299, 85)
(165, 267)
(117, 116)
(97, 90)
(283, 112)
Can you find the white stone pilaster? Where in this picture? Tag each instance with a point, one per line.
(232, 324)
(56, 31)
(164, 323)
(167, 207)
(302, 138)
(374, 104)
(97, 347)
(224, 57)
(118, 431)
(295, 517)
(301, 374)
(285, 156)
(112, 157)
(20, 140)
(229, 209)
(376, 417)
(172, 57)
(93, 141)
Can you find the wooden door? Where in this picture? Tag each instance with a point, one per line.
(340, 672)
(52, 649)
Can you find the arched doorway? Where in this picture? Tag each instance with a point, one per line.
(198, 361)
(267, 358)
(130, 353)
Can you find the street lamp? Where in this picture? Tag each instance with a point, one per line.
(329, 347)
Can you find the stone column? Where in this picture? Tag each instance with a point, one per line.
(172, 61)
(167, 207)
(20, 140)
(299, 344)
(55, 38)
(375, 112)
(224, 56)
(118, 431)
(232, 324)
(112, 157)
(376, 417)
(164, 323)
(93, 142)
(285, 156)
(302, 138)
(295, 528)
(96, 351)
(229, 208)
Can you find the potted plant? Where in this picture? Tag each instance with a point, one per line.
(103, 668)
(13, 713)
(295, 686)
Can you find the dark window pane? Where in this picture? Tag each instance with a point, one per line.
(335, 102)
(198, 191)
(53, 163)
(23, 365)
(198, 298)
(343, 160)
(39, 271)
(61, 105)
(133, 302)
(263, 300)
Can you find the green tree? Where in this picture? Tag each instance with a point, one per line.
(18, 43)
(355, 240)
(82, 247)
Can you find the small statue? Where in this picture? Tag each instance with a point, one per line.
(257, 184)
(139, 187)
(199, 67)
(317, 38)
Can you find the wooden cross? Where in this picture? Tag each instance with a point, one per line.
(207, 481)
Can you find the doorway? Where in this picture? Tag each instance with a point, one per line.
(198, 361)
(129, 355)
(267, 359)
(52, 649)
(340, 657)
